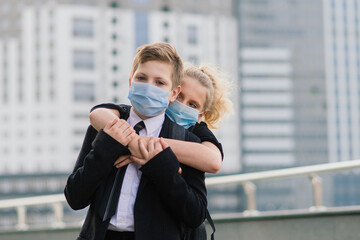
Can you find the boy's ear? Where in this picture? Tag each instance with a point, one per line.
(201, 115)
(174, 93)
(129, 82)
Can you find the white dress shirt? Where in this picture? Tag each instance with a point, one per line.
(123, 220)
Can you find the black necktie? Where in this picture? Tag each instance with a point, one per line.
(139, 126)
(115, 191)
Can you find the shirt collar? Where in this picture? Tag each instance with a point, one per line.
(152, 124)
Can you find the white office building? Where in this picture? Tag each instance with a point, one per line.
(67, 58)
(342, 59)
(267, 107)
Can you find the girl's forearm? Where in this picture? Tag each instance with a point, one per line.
(101, 116)
(205, 157)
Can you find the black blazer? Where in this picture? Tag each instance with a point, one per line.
(166, 201)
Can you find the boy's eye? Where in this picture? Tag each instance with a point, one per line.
(160, 83)
(140, 78)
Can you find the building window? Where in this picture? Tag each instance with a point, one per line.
(5, 119)
(83, 59)
(76, 148)
(80, 116)
(84, 91)
(52, 94)
(194, 60)
(83, 27)
(141, 1)
(38, 149)
(192, 35)
(141, 28)
(6, 151)
(79, 132)
(165, 8)
(114, 4)
(21, 150)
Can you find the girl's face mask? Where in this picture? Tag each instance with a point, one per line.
(181, 114)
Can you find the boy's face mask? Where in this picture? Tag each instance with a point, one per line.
(181, 114)
(147, 99)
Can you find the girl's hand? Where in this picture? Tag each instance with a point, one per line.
(120, 130)
(154, 146)
(142, 161)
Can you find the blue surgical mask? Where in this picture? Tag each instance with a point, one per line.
(147, 99)
(181, 114)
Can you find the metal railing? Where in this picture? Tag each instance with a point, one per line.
(57, 201)
(248, 179)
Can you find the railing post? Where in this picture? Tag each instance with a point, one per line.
(59, 214)
(21, 216)
(250, 191)
(316, 183)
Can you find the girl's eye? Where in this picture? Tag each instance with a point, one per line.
(193, 105)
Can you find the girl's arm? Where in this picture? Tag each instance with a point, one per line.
(99, 117)
(207, 155)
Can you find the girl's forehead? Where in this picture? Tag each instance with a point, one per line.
(191, 88)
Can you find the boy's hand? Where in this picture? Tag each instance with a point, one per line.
(120, 130)
(122, 161)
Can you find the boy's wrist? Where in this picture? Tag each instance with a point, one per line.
(133, 146)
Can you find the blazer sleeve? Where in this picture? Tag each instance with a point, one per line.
(123, 109)
(95, 162)
(184, 195)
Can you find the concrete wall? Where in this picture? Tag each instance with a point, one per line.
(311, 227)
(329, 225)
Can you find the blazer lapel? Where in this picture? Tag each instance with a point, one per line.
(165, 130)
(111, 194)
(112, 191)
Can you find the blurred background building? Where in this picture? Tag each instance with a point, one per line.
(60, 58)
(342, 72)
(296, 64)
(283, 86)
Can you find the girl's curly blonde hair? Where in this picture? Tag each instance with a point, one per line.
(217, 103)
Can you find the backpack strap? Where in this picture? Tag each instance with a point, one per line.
(179, 133)
(210, 221)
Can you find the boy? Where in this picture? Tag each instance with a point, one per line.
(151, 201)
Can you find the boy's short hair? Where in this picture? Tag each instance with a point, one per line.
(162, 52)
